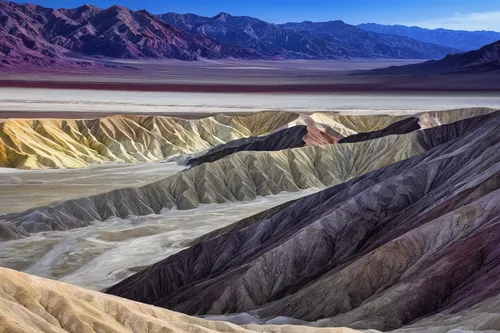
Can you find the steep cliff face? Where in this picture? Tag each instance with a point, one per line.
(420, 234)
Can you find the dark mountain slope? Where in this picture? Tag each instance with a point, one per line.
(486, 59)
(377, 45)
(403, 126)
(300, 41)
(458, 39)
(265, 38)
(292, 137)
(417, 234)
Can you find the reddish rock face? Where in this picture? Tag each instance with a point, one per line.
(316, 137)
(41, 36)
(293, 137)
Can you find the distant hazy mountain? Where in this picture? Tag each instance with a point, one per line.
(329, 40)
(463, 40)
(486, 59)
(371, 43)
(32, 34)
(270, 40)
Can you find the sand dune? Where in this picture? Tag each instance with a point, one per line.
(413, 239)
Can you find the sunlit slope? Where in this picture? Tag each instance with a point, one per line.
(239, 177)
(57, 143)
(414, 241)
(49, 143)
(30, 304)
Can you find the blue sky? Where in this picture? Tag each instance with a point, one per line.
(453, 14)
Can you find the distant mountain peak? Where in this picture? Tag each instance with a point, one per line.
(222, 16)
(87, 7)
(118, 8)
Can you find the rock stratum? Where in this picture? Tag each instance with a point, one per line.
(412, 245)
(31, 304)
(69, 143)
(49, 143)
(299, 136)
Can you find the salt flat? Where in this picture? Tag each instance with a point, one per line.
(19, 101)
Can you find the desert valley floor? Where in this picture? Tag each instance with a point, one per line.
(248, 212)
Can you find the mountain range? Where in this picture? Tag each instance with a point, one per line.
(32, 34)
(486, 59)
(35, 35)
(459, 39)
(306, 40)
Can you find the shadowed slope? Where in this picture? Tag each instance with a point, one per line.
(31, 304)
(299, 136)
(294, 137)
(420, 234)
(401, 127)
(485, 59)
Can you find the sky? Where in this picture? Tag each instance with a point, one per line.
(450, 14)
